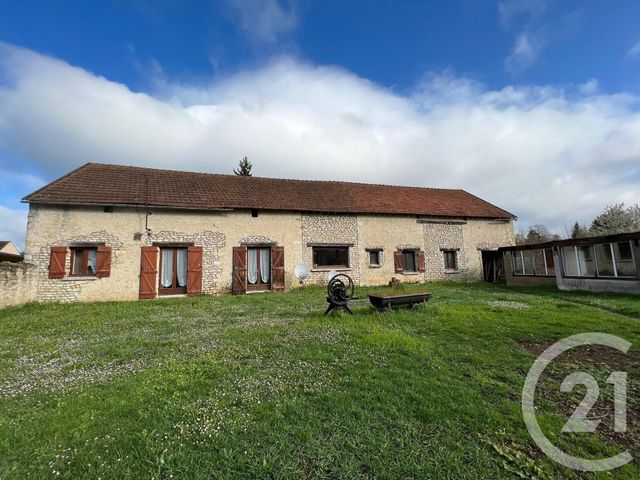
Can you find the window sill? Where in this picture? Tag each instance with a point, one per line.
(83, 278)
(411, 273)
(540, 276)
(574, 277)
(328, 269)
(375, 266)
(451, 272)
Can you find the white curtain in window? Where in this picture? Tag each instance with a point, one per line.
(252, 266)
(91, 261)
(167, 268)
(265, 266)
(182, 267)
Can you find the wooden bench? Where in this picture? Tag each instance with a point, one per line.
(390, 301)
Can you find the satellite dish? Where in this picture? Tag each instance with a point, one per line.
(301, 271)
(332, 274)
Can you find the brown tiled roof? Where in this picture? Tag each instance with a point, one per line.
(100, 184)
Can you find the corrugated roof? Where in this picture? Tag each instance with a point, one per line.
(102, 184)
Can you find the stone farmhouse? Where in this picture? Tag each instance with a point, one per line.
(110, 232)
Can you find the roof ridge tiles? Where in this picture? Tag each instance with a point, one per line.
(93, 184)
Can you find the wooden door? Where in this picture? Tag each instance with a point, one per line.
(239, 274)
(148, 272)
(277, 269)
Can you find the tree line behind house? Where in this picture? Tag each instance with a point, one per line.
(614, 219)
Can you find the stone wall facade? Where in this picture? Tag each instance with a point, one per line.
(127, 229)
(439, 237)
(70, 289)
(330, 229)
(211, 242)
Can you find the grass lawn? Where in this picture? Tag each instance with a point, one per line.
(264, 386)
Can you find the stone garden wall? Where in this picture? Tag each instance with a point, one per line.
(17, 283)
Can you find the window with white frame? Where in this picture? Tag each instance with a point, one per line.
(623, 256)
(516, 262)
(538, 262)
(608, 260)
(570, 261)
(615, 259)
(549, 262)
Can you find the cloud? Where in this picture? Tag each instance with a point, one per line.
(264, 21)
(634, 51)
(525, 52)
(550, 155)
(590, 87)
(534, 32)
(13, 225)
(511, 10)
(526, 17)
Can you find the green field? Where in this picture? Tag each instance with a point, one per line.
(264, 386)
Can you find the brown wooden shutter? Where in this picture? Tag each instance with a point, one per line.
(57, 262)
(148, 272)
(397, 261)
(239, 274)
(277, 269)
(194, 270)
(103, 261)
(421, 262)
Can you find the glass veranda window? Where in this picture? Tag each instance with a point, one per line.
(527, 256)
(604, 259)
(585, 258)
(548, 255)
(625, 263)
(516, 258)
(570, 262)
(539, 262)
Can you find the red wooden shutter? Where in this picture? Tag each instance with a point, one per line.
(421, 262)
(194, 270)
(103, 261)
(57, 262)
(239, 278)
(277, 269)
(397, 260)
(148, 272)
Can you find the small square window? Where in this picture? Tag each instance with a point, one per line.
(409, 263)
(450, 259)
(374, 258)
(83, 260)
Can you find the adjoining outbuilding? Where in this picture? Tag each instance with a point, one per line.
(609, 263)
